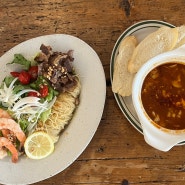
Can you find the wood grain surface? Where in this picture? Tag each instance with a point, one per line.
(117, 154)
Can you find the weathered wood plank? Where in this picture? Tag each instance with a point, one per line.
(117, 153)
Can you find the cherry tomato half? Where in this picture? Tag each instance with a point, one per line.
(15, 74)
(43, 91)
(24, 77)
(35, 94)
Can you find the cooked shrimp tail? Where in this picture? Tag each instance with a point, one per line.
(4, 142)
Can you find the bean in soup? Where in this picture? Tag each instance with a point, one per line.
(163, 95)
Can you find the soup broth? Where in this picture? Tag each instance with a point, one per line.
(163, 95)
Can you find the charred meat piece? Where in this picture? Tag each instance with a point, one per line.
(56, 67)
(47, 50)
(45, 54)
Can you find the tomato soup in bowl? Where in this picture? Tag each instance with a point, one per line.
(163, 95)
(158, 96)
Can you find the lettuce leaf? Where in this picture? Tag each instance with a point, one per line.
(19, 59)
(45, 115)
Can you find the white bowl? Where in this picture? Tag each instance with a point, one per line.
(158, 137)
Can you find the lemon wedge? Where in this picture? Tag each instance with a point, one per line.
(38, 145)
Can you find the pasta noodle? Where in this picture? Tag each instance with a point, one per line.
(61, 112)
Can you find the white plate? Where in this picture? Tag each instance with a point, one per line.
(140, 30)
(80, 131)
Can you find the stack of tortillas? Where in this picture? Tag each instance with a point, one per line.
(131, 55)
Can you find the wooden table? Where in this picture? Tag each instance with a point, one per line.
(117, 154)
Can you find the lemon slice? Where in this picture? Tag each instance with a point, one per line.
(38, 145)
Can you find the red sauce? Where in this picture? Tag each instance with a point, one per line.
(163, 95)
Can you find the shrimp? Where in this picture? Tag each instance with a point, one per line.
(4, 142)
(5, 132)
(6, 123)
(4, 114)
(9, 128)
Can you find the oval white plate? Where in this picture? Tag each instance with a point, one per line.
(140, 30)
(80, 131)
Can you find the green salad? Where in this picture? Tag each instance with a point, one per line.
(26, 95)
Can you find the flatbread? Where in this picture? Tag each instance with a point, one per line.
(181, 37)
(122, 79)
(160, 41)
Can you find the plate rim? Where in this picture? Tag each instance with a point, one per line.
(119, 99)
